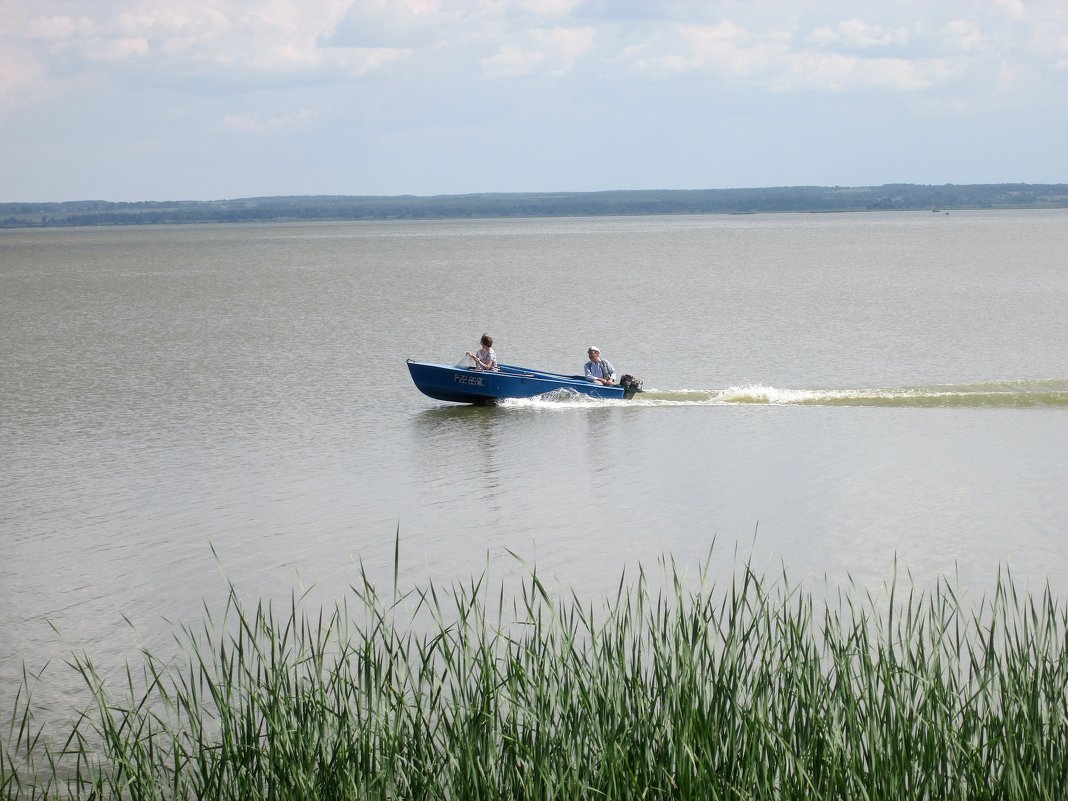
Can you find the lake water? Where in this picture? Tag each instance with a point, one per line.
(183, 406)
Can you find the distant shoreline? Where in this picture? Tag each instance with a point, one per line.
(308, 208)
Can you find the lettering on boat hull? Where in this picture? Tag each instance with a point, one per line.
(469, 380)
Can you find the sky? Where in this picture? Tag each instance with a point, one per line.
(128, 100)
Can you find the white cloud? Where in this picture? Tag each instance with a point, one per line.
(728, 49)
(19, 72)
(840, 72)
(549, 8)
(58, 28)
(1049, 44)
(340, 40)
(512, 62)
(566, 46)
(1014, 8)
(963, 35)
(394, 23)
(361, 62)
(551, 51)
(858, 34)
(851, 55)
(257, 124)
(116, 49)
(191, 38)
(724, 49)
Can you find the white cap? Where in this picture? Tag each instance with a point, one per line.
(593, 348)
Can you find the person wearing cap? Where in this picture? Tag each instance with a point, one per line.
(599, 370)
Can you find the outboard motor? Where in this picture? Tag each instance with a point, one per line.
(630, 385)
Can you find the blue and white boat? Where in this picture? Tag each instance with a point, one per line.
(485, 387)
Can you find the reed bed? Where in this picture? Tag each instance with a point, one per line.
(742, 688)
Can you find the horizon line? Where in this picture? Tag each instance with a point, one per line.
(519, 193)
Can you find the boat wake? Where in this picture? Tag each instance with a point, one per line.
(993, 394)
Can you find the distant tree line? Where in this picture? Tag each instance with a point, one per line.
(538, 204)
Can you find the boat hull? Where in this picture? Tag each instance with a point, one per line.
(464, 385)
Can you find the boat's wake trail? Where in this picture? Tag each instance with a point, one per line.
(997, 394)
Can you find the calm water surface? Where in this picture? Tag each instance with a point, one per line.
(183, 406)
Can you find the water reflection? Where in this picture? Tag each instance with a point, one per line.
(460, 447)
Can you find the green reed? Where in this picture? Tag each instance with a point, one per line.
(742, 688)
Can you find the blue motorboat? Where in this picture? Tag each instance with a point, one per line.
(485, 387)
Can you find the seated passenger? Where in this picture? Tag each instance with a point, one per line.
(485, 358)
(599, 370)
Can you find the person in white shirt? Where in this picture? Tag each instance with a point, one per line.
(599, 370)
(485, 358)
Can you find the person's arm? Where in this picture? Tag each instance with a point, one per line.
(489, 364)
(609, 371)
(589, 372)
